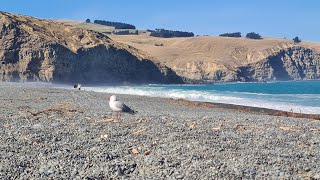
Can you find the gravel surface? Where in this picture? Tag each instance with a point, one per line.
(54, 133)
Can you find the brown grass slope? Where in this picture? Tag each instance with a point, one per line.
(220, 52)
(197, 57)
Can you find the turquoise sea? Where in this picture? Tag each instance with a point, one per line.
(295, 96)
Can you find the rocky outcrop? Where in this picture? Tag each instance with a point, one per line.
(42, 50)
(294, 63)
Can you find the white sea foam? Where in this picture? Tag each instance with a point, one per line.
(207, 96)
(301, 103)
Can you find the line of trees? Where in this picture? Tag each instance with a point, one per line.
(117, 25)
(169, 33)
(253, 35)
(235, 34)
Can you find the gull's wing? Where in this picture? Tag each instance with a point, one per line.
(123, 107)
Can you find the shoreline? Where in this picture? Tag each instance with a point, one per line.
(244, 97)
(244, 108)
(241, 108)
(247, 109)
(69, 134)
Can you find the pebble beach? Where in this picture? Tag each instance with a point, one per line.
(69, 134)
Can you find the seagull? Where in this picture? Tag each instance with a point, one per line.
(119, 107)
(77, 86)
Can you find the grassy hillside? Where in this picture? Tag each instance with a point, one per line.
(220, 52)
(202, 57)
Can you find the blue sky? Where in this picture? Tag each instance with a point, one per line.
(272, 18)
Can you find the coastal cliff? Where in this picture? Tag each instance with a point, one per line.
(294, 63)
(220, 59)
(45, 50)
(42, 50)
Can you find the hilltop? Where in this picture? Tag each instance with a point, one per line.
(98, 27)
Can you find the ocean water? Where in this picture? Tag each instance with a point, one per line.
(295, 96)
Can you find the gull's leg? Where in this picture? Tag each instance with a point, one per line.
(117, 117)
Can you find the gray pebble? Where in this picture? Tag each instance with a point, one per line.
(37, 126)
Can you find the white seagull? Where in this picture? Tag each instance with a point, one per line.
(77, 86)
(119, 107)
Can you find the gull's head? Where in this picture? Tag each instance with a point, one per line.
(113, 98)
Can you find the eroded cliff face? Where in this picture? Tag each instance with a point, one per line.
(294, 63)
(209, 59)
(42, 50)
(291, 63)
